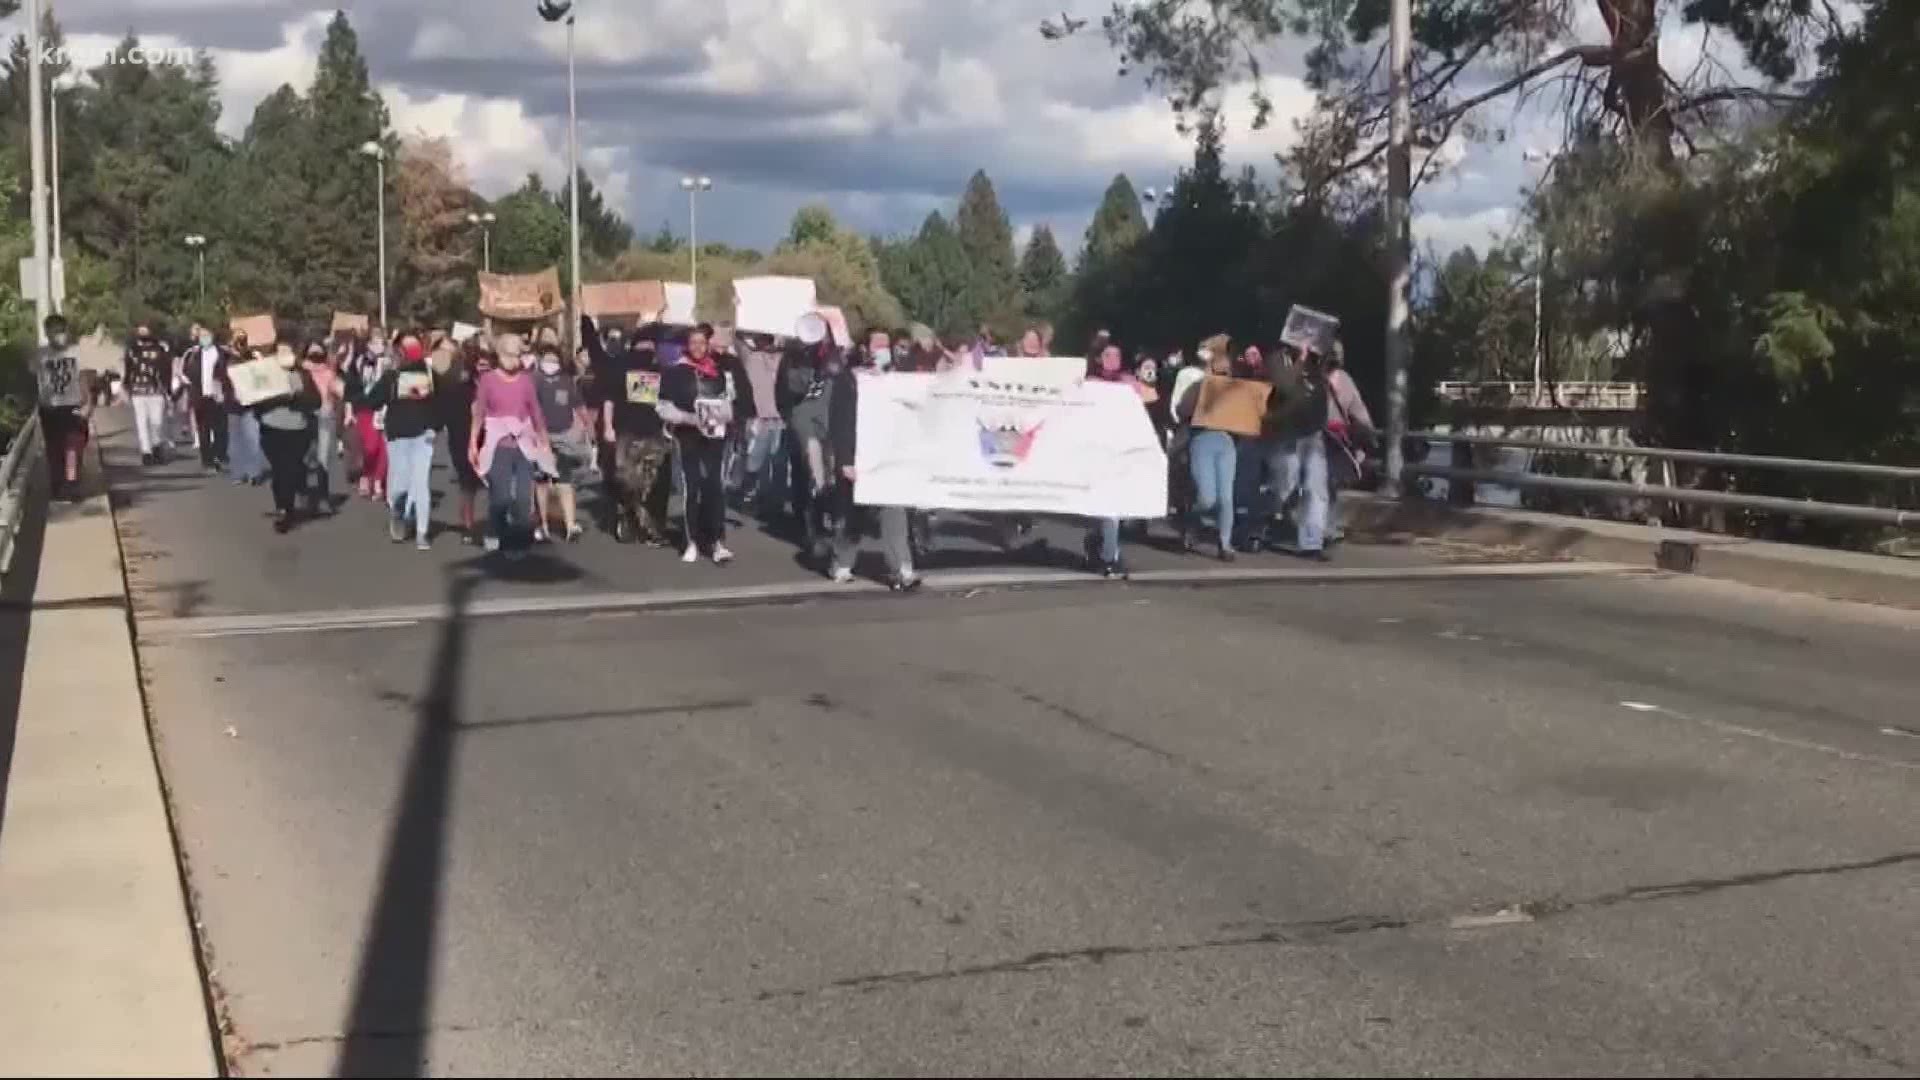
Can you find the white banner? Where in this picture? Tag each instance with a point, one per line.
(771, 304)
(965, 440)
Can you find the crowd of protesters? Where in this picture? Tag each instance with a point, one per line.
(743, 422)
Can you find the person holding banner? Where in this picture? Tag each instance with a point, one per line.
(895, 539)
(697, 404)
(404, 393)
(1103, 537)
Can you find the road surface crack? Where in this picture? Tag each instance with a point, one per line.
(1285, 935)
(1541, 909)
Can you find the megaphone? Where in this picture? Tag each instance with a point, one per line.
(811, 329)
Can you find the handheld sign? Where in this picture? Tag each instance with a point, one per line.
(1310, 330)
(261, 380)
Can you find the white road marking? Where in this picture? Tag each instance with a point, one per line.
(1768, 736)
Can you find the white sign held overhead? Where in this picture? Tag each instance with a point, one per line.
(772, 304)
(681, 306)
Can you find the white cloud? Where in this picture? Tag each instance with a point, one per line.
(1447, 233)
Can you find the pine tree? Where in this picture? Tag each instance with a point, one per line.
(1043, 277)
(938, 286)
(603, 231)
(531, 233)
(987, 239)
(341, 260)
(1117, 226)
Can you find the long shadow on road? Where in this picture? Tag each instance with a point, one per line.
(387, 1026)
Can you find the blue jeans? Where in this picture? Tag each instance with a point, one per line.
(1292, 463)
(1106, 531)
(326, 443)
(510, 496)
(409, 467)
(246, 461)
(1213, 457)
(762, 474)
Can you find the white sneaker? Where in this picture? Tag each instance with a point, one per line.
(721, 556)
(691, 555)
(492, 544)
(842, 575)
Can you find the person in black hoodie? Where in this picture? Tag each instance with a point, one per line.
(697, 405)
(406, 392)
(628, 386)
(802, 388)
(287, 427)
(854, 520)
(149, 375)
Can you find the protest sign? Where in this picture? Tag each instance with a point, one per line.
(963, 440)
(349, 321)
(1234, 405)
(644, 300)
(462, 331)
(262, 380)
(836, 324)
(772, 304)
(258, 328)
(680, 304)
(1060, 369)
(1310, 329)
(520, 297)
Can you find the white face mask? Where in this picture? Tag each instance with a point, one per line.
(550, 366)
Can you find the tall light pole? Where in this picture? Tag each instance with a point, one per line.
(378, 153)
(37, 137)
(58, 270)
(199, 245)
(693, 186)
(1535, 156)
(554, 11)
(485, 223)
(1399, 237)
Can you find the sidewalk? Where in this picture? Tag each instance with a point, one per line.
(101, 975)
(1836, 575)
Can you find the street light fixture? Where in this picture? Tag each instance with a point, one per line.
(485, 223)
(693, 186)
(378, 153)
(555, 11)
(199, 245)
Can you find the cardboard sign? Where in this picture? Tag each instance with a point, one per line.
(520, 297)
(462, 331)
(1232, 405)
(681, 305)
(772, 304)
(262, 380)
(643, 387)
(258, 328)
(644, 300)
(1311, 330)
(350, 321)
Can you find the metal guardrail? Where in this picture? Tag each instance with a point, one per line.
(1868, 515)
(15, 473)
(1596, 396)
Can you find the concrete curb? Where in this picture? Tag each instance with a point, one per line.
(1837, 575)
(799, 592)
(103, 975)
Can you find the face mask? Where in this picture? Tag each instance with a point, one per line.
(206, 340)
(614, 340)
(550, 366)
(377, 348)
(413, 351)
(59, 338)
(883, 358)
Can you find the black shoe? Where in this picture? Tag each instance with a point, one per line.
(622, 530)
(149, 459)
(283, 524)
(905, 584)
(1226, 553)
(1319, 556)
(1187, 544)
(1255, 545)
(1113, 570)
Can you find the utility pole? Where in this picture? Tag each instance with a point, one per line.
(378, 153)
(37, 138)
(58, 270)
(1399, 240)
(573, 184)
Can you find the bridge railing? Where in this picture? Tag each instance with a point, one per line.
(15, 472)
(1592, 396)
(1668, 490)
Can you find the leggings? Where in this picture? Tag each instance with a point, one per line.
(373, 449)
(510, 496)
(701, 461)
(287, 458)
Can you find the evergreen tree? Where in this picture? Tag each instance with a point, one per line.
(340, 265)
(1117, 225)
(531, 233)
(938, 282)
(987, 238)
(603, 231)
(1043, 277)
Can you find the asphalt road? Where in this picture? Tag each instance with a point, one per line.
(1614, 824)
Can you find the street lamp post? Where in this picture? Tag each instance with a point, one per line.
(378, 153)
(58, 270)
(485, 222)
(199, 245)
(37, 153)
(1534, 156)
(693, 186)
(554, 11)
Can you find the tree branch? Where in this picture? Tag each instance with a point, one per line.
(1734, 93)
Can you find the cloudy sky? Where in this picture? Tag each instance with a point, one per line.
(879, 108)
